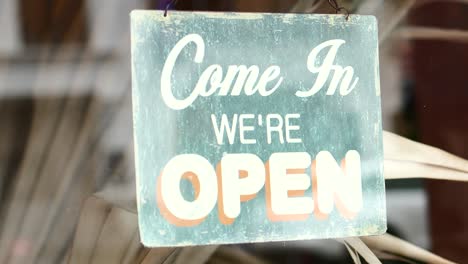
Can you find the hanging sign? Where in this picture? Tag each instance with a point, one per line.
(256, 127)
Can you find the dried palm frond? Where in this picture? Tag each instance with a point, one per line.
(400, 248)
(431, 33)
(408, 159)
(361, 249)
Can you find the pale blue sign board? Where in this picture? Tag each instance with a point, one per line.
(166, 125)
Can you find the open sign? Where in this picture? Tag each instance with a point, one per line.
(239, 178)
(256, 127)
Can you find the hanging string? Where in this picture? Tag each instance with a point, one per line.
(170, 5)
(338, 8)
(333, 3)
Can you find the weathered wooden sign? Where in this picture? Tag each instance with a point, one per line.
(256, 127)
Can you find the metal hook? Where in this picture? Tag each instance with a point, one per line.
(170, 4)
(338, 8)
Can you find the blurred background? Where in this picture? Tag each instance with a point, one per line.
(66, 119)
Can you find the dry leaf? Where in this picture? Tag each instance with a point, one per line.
(354, 255)
(361, 248)
(408, 159)
(393, 245)
(428, 33)
(388, 256)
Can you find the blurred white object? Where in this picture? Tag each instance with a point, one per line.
(107, 20)
(10, 42)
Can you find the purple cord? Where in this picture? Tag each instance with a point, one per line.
(162, 4)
